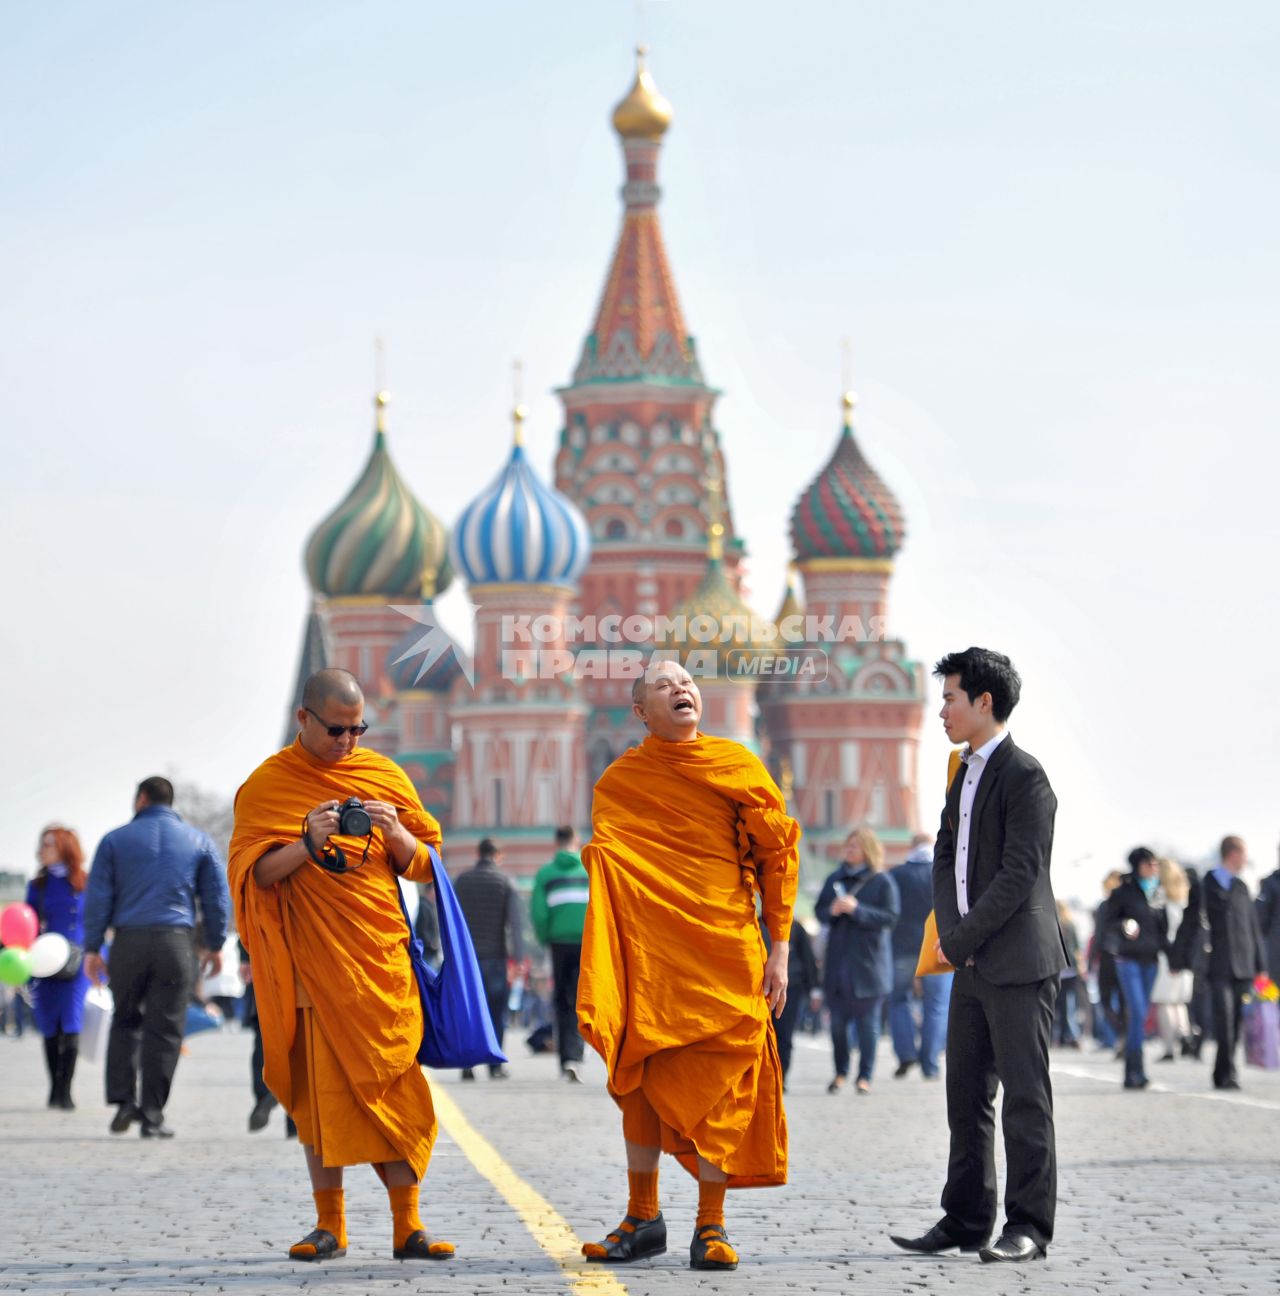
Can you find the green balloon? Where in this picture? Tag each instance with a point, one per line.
(15, 968)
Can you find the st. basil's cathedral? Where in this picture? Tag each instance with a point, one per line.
(638, 520)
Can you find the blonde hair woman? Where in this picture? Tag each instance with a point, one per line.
(1172, 990)
(860, 904)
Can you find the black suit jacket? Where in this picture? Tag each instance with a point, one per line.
(1011, 930)
(1236, 953)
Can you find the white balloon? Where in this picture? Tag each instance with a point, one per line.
(48, 954)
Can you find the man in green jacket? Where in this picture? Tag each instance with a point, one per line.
(559, 910)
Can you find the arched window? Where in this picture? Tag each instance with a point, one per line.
(615, 529)
(674, 529)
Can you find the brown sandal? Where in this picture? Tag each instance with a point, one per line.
(324, 1246)
(419, 1246)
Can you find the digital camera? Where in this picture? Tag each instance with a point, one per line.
(353, 818)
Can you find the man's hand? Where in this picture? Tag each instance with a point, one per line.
(210, 962)
(95, 969)
(322, 823)
(400, 841)
(946, 958)
(775, 977)
(246, 973)
(844, 904)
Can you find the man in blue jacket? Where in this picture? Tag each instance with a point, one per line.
(144, 883)
(559, 911)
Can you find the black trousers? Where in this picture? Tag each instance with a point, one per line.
(153, 972)
(493, 972)
(1225, 996)
(784, 1028)
(1000, 1035)
(566, 961)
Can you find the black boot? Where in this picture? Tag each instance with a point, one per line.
(67, 1058)
(1134, 1075)
(51, 1061)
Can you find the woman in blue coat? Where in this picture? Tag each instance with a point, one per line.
(860, 904)
(56, 893)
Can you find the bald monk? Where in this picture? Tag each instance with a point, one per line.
(676, 988)
(320, 916)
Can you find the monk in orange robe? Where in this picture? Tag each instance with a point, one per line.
(676, 989)
(339, 1006)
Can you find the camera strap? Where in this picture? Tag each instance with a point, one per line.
(333, 859)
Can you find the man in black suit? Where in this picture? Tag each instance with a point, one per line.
(1235, 957)
(998, 924)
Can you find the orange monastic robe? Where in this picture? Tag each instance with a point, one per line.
(337, 1000)
(683, 837)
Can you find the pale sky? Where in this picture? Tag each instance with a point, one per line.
(1049, 231)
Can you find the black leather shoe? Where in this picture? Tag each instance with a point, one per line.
(261, 1113)
(1226, 1084)
(936, 1239)
(156, 1129)
(644, 1238)
(1012, 1248)
(125, 1115)
(903, 1068)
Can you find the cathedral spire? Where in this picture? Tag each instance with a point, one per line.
(639, 330)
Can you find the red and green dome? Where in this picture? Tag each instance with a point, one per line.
(847, 511)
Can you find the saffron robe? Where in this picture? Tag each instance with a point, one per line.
(683, 838)
(337, 1000)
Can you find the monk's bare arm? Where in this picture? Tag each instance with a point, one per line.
(277, 864)
(402, 845)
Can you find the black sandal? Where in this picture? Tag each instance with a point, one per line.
(417, 1246)
(326, 1247)
(643, 1239)
(702, 1239)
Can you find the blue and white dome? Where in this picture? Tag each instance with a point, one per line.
(520, 531)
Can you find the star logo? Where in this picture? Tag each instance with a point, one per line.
(434, 643)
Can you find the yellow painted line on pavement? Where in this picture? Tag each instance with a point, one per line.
(550, 1230)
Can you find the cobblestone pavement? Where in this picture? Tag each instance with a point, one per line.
(1170, 1190)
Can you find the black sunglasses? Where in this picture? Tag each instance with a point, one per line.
(336, 731)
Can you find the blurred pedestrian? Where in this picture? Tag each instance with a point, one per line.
(916, 1042)
(1235, 954)
(558, 909)
(1136, 932)
(803, 988)
(1174, 983)
(56, 893)
(860, 904)
(1066, 1018)
(491, 905)
(1108, 1021)
(1268, 914)
(145, 881)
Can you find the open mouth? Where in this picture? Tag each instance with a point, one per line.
(683, 706)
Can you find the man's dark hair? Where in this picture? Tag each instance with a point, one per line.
(157, 790)
(564, 835)
(1229, 846)
(487, 849)
(1139, 856)
(983, 671)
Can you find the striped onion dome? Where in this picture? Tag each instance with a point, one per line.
(520, 531)
(424, 658)
(847, 511)
(380, 540)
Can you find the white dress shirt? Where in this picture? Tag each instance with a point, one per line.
(975, 764)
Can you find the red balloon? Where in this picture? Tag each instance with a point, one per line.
(19, 926)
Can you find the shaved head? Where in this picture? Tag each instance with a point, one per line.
(332, 685)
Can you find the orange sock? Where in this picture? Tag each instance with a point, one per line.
(406, 1220)
(643, 1199)
(331, 1216)
(710, 1203)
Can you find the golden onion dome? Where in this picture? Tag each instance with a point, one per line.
(645, 113)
